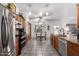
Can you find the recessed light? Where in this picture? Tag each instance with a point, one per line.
(46, 13)
(30, 13)
(40, 13)
(37, 19)
(40, 23)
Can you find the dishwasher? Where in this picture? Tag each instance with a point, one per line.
(62, 46)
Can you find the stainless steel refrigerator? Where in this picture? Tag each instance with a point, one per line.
(7, 41)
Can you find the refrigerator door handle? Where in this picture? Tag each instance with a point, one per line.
(4, 30)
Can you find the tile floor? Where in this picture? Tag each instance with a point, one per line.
(37, 48)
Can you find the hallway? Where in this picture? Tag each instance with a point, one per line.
(37, 48)
(21, 24)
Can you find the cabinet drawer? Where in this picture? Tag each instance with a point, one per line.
(73, 49)
(72, 53)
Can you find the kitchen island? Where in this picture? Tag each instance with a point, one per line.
(72, 44)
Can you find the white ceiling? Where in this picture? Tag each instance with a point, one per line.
(57, 10)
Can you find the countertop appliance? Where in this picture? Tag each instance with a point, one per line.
(77, 34)
(6, 32)
(62, 46)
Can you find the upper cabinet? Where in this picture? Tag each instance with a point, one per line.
(77, 15)
(21, 21)
(11, 7)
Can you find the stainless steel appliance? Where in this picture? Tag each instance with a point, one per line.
(6, 32)
(1, 47)
(62, 46)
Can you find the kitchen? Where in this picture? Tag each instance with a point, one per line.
(46, 29)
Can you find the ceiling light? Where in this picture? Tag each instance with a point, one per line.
(37, 19)
(40, 23)
(30, 13)
(67, 28)
(40, 13)
(42, 20)
(46, 13)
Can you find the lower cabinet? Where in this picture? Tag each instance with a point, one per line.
(54, 41)
(17, 46)
(72, 49)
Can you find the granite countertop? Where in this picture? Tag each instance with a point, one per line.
(71, 39)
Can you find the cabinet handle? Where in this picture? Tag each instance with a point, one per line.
(72, 46)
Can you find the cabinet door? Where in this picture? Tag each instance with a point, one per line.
(17, 46)
(71, 52)
(30, 31)
(77, 15)
(77, 9)
(73, 49)
(56, 42)
(51, 40)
